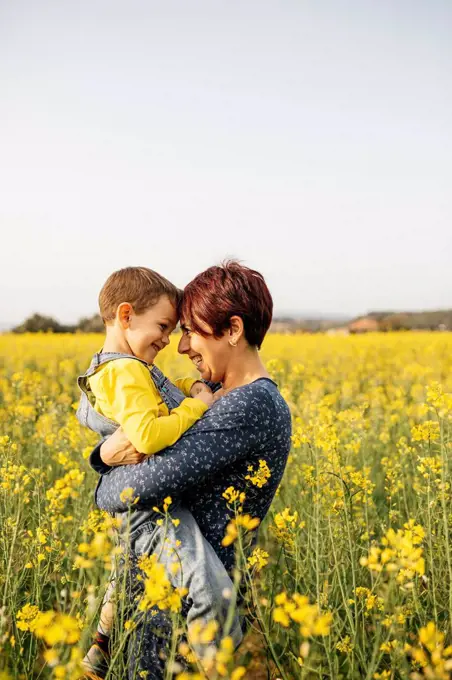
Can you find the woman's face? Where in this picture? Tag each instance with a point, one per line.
(209, 354)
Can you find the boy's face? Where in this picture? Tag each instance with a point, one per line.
(149, 332)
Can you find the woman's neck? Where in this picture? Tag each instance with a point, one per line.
(245, 367)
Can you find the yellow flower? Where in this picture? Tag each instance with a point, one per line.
(425, 432)
(127, 496)
(202, 633)
(258, 559)
(224, 655)
(439, 400)
(431, 637)
(401, 553)
(297, 608)
(158, 590)
(26, 617)
(50, 626)
(372, 601)
(280, 616)
(286, 525)
(246, 522)
(389, 646)
(261, 476)
(233, 495)
(51, 657)
(345, 645)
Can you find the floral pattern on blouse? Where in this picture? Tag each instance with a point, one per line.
(249, 424)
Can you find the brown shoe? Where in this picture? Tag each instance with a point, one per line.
(95, 664)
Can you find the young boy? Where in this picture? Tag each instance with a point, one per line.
(123, 388)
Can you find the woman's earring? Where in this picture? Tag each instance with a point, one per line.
(233, 343)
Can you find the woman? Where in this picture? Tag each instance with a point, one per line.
(225, 315)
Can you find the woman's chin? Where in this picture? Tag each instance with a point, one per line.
(205, 373)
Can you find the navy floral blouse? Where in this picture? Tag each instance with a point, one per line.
(249, 424)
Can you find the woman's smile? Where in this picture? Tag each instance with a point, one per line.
(203, 369)
(197, 360)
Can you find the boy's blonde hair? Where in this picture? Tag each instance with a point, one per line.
(140, 286)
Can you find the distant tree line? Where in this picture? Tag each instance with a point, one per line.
(427, 321)
(440, 319)
(374, 321)
(38, 323)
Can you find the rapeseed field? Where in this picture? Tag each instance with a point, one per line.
(352, 576)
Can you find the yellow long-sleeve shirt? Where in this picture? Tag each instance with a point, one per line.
(126, 393)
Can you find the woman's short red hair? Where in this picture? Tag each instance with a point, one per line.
(229, 289)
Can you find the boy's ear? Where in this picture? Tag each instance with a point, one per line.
(124, 313)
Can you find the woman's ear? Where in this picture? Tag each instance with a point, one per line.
(236, 330)
(124, 314)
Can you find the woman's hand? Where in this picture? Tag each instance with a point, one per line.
(117, 450)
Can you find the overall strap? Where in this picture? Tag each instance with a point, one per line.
(98, 360)
(171, 395)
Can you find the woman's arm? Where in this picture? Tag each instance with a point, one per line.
(235, 425)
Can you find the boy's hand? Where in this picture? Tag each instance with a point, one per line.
(200, 390)
(218, 394)
(117, 450)
(199, 387)
(206, 397)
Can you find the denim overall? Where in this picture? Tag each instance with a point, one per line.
(89, 417)
(200, 569)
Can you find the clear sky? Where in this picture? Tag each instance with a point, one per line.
(312, 140)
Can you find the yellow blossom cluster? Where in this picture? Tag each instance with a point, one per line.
(240, 522)
(371, 600)
(158, 591)
(67, 487)
(401, 553)
(431, 654)
(439, 400)
(234, 496)
(285, 527)
(258, 559)
(425, 432)
(298, 609)
(260, 476)
(53, 627)
(214, 656)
